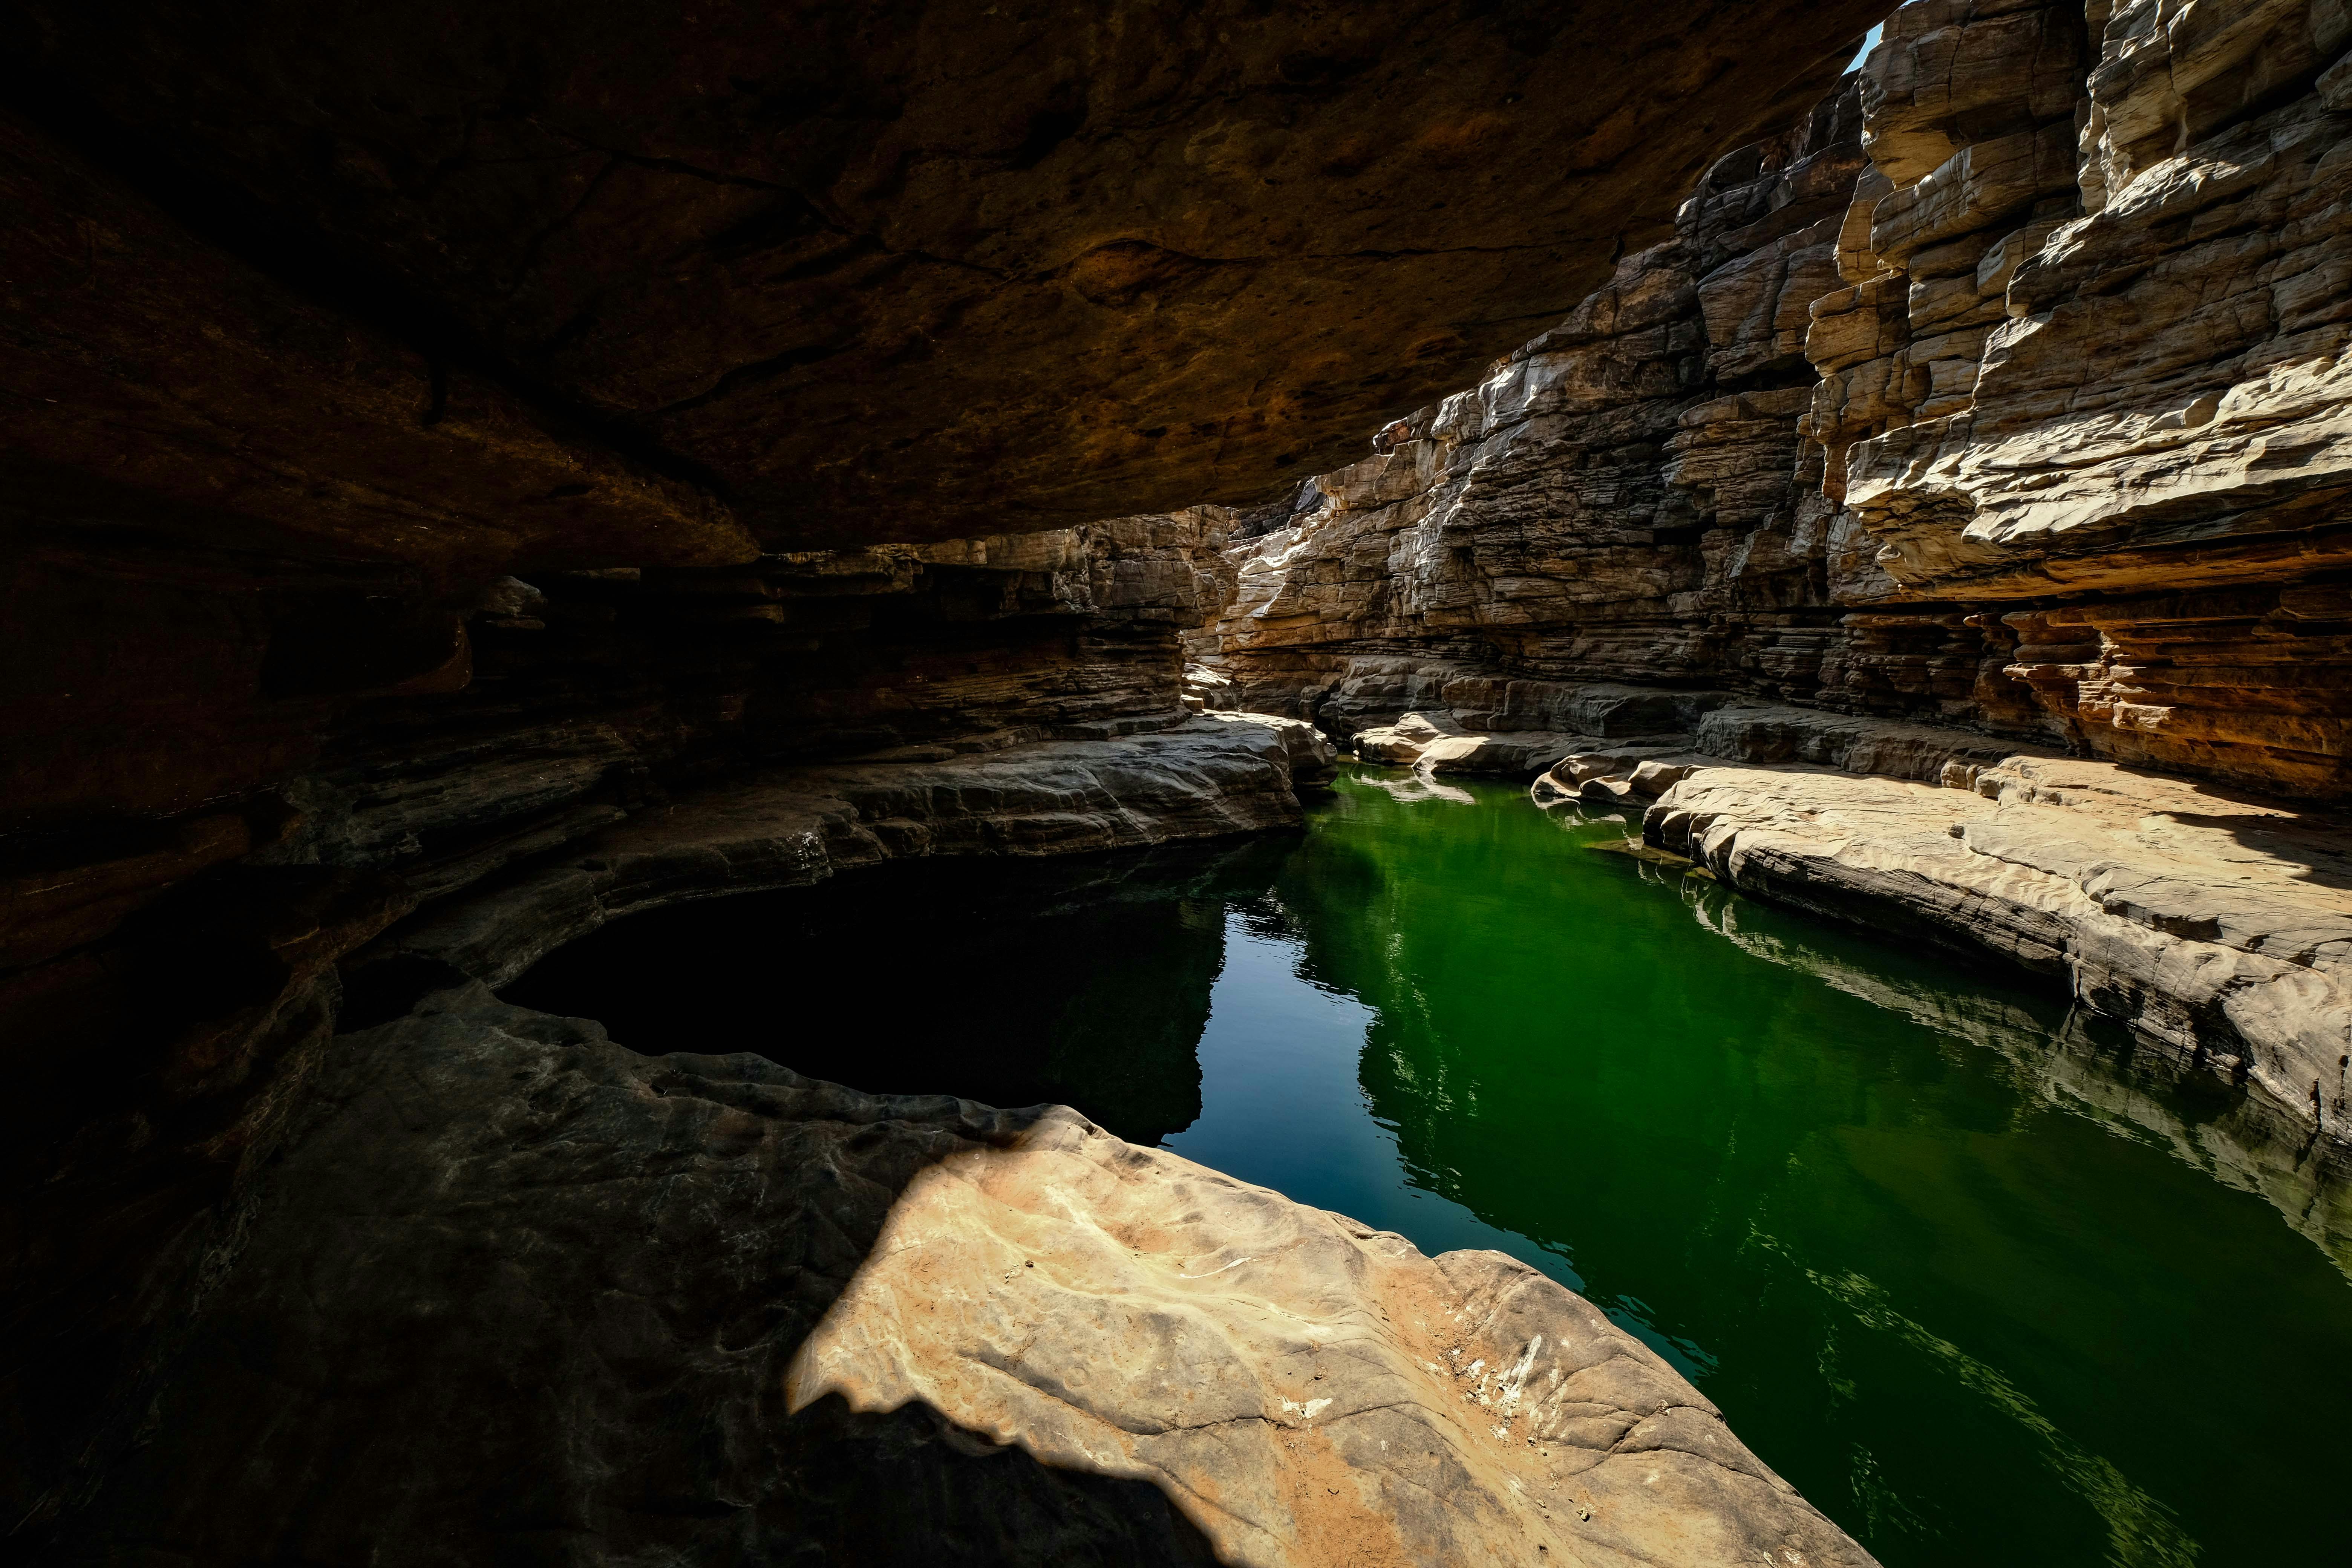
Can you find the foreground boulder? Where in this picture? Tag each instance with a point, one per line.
(510, 1292)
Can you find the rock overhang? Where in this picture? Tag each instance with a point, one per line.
(917, 271)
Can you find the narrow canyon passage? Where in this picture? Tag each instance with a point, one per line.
(1951, 1260)
(947, 783)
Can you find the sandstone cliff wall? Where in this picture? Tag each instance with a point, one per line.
(2007, 390)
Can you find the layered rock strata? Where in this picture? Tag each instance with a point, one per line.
(2216, 925)
(163, 974)
(2212, 922)
(1211, 777)
(2246, 1143)
(449, 450)
(2003, 391)
(700, 1307)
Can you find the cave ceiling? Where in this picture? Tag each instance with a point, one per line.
(805, 275)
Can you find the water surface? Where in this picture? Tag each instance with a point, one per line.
(1977, 1283)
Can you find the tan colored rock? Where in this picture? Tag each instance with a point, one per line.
(2250, 1143)
(2218, 926)
(1653, 778)
(1949, 71)
(887, 1328)
(1309, 1391)
(1617, 501)
(2069, 376)
(1511, 754)
(1574, 769)
(1402, 744)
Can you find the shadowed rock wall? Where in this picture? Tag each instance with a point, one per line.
(435, 435)
(452, 449)
(929, 268)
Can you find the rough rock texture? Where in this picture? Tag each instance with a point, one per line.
(2004, 390)
(424, 427)
(1618, 503)
(2002, 393)
(2246, 1144)
(577, 702)
(450, 449)
(940, 267)
(1215, 775)
(177, 901)
(2217, 925)
(119, 1154)
(1316, 1392)
(701, 1309)
(2213, 922)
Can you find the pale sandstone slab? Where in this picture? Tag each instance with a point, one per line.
(1308, 1390)
(705, 1309)
(1511, 754)
(2218, 926)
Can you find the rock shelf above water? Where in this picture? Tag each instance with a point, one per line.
(700, 1307)
(1206, 777)
(2217, 925)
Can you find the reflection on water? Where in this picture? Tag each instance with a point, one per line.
(1014, 983)
(1951, 1261)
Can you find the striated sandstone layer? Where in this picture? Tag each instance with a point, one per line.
(1214, 776)
(2217, 925)
(179, 904)
(452, 449)
(2214, 922)
(1993, 412)
(2247, 1143)
(698, 1308)
(254, 977)
(2005, 390)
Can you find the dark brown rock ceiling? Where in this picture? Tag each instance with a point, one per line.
(899, 271)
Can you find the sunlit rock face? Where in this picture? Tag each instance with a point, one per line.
(503, 1278)
(2003, 391)
(2117, 376)
(1625, 498)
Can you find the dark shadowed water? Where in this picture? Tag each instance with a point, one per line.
(1981, 1287)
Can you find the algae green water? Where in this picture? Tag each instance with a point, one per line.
(1981, 1288)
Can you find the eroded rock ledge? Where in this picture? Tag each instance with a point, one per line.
(2217, 925)
(698, 1308)
(1205, 778)
(1993, 413)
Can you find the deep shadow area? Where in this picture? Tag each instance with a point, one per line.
(1083, 983)
(504, 1292)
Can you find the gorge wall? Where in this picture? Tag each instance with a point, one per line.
(471, 472)
(1996, 414)
(2006, 390)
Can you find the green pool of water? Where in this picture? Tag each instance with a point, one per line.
(1981, 1288)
